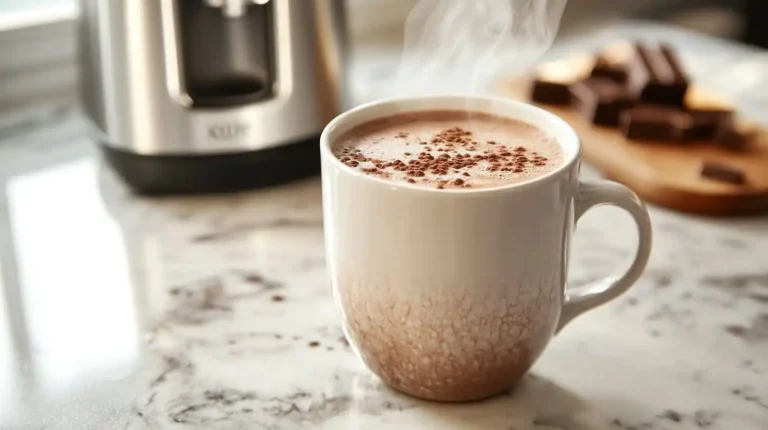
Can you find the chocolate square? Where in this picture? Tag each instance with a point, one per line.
(552, 93)
(614, 72)
(705, 126)
(616, 62)
(723, 173)
(601, 101)
(667, 83)
(553, 80)
(734, 135)
(621, 62)
(654, 123)
(710, 113)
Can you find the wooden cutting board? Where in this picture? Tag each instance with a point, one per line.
(668, 174)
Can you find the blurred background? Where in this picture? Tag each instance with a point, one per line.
(37, 37)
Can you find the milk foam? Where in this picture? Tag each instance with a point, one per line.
(451, 149)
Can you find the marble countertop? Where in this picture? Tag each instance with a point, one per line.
(120, 312)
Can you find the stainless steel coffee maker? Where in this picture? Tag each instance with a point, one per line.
(198, 96)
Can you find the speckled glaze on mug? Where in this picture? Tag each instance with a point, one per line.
(452, 295)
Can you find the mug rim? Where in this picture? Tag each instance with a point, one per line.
(566, 165)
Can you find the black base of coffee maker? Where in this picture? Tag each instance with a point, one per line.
(208, 174)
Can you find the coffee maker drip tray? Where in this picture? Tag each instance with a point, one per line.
(216, 173)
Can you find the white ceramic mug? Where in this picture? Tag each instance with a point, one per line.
(452, 294)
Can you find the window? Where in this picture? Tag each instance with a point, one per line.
(37, 43)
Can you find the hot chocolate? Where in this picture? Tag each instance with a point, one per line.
(451, 294)
(450, 150)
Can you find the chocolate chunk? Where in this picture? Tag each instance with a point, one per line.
(729, 138)
(552, 82)
(613, 72)
(658, 123)
(698, 99)
(705, 126)
(667, 83)
(722, 173)
(710, 114)
(615, 62)
(733, 135)
(551, 93)
(600, 100)
(621, 62)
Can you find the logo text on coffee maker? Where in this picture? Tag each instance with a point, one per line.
(226, 132)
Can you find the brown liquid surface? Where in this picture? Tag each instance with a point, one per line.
(450, 150)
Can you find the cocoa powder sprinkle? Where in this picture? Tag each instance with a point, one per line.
(448, 154)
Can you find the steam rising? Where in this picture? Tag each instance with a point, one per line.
(458, 46)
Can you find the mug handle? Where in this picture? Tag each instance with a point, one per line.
(594, 193)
